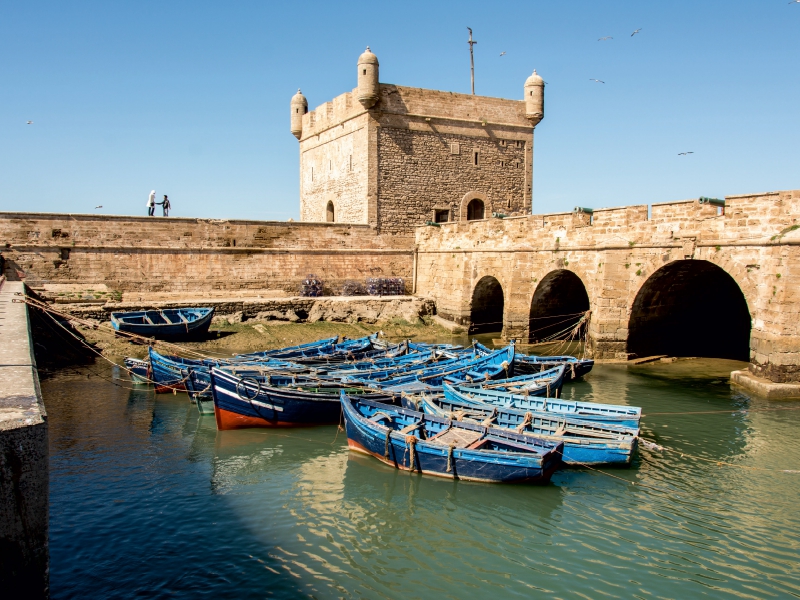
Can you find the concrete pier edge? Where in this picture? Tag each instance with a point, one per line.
(24, 456)
(764, 387)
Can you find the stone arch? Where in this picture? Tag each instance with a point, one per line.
(468, 198)
(487, 306)
(557, 304)
(330, 212)
(690, 308)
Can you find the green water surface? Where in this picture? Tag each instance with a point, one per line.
(148, 499)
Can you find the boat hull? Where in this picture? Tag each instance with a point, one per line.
(434, 459)
(165, 324)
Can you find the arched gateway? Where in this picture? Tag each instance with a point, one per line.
(559, 302)
(486, 309)
(690, 308)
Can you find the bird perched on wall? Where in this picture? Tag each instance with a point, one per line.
(603, 39)
(29, 123)
(597, 80)
(503, 52)
(684, 153)
(635, 32)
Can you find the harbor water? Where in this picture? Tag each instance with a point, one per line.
(148, 499)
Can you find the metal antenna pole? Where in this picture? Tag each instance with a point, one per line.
(471, 43)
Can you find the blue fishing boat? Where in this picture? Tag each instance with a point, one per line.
(254, 401)
(545, 383)
(628, 416)
(413, 441)
(485, 368)
(169, 323)
(139, 370)
(585, 442)
(527, 364)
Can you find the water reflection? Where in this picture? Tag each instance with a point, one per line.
(147, 498)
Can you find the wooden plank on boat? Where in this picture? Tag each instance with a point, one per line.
(459, 438)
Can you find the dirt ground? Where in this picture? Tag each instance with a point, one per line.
(226, 340)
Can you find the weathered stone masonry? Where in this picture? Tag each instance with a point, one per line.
(194, 255)
(615, 253)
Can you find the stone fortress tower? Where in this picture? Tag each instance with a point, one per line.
(395, 157)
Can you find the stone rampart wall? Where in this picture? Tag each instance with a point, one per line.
(194, 255)
(756, 240)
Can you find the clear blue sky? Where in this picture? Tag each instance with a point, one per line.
(192, 98)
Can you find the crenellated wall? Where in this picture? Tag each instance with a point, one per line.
(615, 252)
(155, 254)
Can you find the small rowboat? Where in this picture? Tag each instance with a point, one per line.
(628, 416)
(139, 370)
(527, 364)
(253, 401)
(413, 441)
(585, 442)
(167, 323)
(545, 383)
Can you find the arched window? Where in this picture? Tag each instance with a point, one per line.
(475, 210)
(329, 214)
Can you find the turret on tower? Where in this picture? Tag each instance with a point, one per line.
(368, 91)
(534, 98)
(299, 106)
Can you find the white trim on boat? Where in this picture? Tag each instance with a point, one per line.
(256, 402)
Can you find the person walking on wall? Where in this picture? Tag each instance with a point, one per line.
(165, 205)
(151, 204)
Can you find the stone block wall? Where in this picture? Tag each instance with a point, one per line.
(194, 255)
(615, 252)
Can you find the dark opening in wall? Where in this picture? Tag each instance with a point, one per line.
(487, 306)
(329, 213)
(557, 306)
(442, 216)
(690, 308)
(65, 254)
(475, 210)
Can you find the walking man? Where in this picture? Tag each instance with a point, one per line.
(165, 204)
(151, 204)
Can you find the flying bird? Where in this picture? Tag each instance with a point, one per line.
(503, 52)
(29, 123)
(795, 2)
(597, 80)
(608, 37)
(101, 206)
(684, 153)
(635, 32)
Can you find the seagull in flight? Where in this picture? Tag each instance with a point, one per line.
(101, 206)
(503, 52)
(597, 80)
(635, 32)
(608, 37)
(795, 2)
(29, 123)
(684, 153)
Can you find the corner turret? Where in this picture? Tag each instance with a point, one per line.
(534, 98)
(368, 91)
(299, 106)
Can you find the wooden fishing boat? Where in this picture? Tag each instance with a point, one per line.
(169, 323)
(484, 368)
(585, 442)
(254, 401)
(413, 441)
(528, 364)
(545, 383)
(628, 416)
(139, 370)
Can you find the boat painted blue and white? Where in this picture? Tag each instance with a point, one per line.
(168, 323)
(585, 442)
(432, 445)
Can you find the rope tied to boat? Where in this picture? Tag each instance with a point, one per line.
(450, 457)
(411, 444)
(525, 422)
(386, 445)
